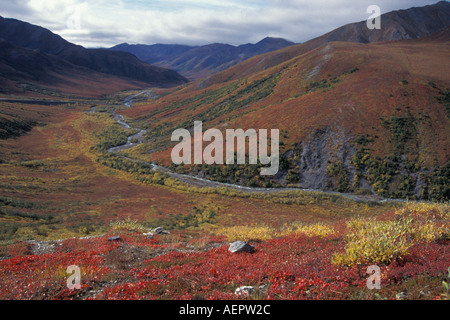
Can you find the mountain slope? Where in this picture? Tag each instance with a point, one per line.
(120, 64)
(413, 23)
(203, 61)
(31, 72)
(370, 118)
(153, 53)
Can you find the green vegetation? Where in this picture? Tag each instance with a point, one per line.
(438, 186)
(118, 162)
(396, 176)
(113, 136)
(444, 99)
(403, 130)
(15, 128)
(338, 177)
(325, 84)
(201, 215)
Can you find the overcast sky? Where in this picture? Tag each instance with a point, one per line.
(105, 23)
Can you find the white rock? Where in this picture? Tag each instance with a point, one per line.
(245, 290)
(241, 246)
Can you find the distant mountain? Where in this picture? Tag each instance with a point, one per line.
(412, 23)
(23, 34)
(33, 72)
(153, 53)
(201, 61)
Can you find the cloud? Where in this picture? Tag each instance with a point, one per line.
(106, 23)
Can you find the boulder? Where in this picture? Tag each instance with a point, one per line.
(149, 235)
(115, 238)
(247, 290)
(160, 230)
(241, 246)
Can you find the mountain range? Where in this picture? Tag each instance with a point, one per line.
(201, 61)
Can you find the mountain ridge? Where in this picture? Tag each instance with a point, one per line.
(197, 62)
(358, 30)
(26, 35)
(205, 61)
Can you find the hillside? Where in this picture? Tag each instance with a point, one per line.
(365, 118)
(202, 61)
(25, 35)
(412, 23)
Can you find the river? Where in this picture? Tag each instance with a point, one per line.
(138, 138)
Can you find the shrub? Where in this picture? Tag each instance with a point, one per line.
(371, 241)
(424, 211)
(127, 224)
(428, 232)
(246, 233)
(264, 232)
(309, 230)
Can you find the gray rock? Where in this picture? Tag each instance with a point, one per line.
(247, 290)
(115, 238)
(149, 235)
(402, 296)
(241, 246)
(160, 230)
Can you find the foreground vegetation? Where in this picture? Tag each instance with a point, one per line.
(296, 261)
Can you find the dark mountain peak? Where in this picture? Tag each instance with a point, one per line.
(199, 61)
(26, 35)
(30, 36)
(274, 40)
(412, 23)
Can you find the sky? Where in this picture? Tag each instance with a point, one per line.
(105, 23)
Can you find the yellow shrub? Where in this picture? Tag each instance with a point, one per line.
(127, 224)
(424, 211)
(247, 233)
(371, 241)
(264, 232)
(310, 230)
(428, 232)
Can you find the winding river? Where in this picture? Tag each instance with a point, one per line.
(138, 138)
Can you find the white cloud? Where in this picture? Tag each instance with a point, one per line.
(106, 23)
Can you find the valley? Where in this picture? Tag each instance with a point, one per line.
(88, 181)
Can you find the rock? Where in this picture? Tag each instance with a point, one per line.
(241, 246)
(115, 238)
(247, 290)
(160, 230)
(149, 235)
(402, 296)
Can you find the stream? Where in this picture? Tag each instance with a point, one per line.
(138, 138)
